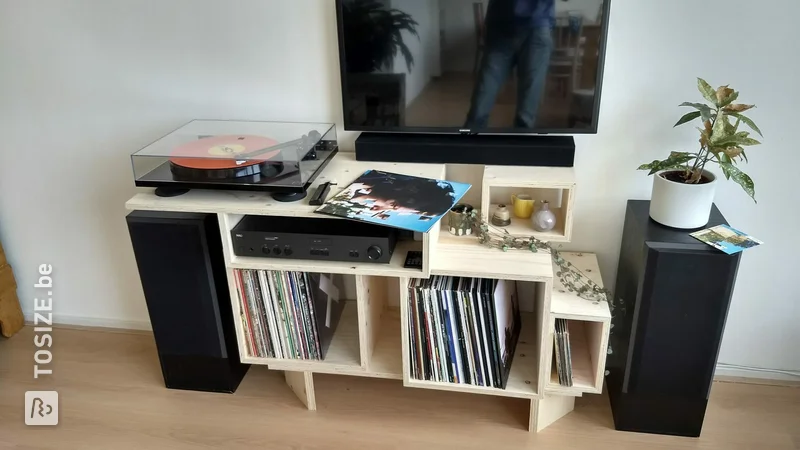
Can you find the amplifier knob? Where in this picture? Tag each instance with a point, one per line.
(374, 252)
(287, 250)
(276, 250)
(265, 249)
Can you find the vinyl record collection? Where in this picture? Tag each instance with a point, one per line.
(563, 353)
(287, 315)
(463, 330)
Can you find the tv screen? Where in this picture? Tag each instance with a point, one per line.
(461, 66)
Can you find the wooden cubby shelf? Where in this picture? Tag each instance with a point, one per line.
(554, 184)
(465, 256)
(371, 339)
(589, 326)
(523, 380)
(394, 268)
(343, 354)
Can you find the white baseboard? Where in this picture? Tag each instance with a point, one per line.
(80, 321)
(742, 373)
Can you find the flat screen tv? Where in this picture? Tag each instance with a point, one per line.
(464, 66)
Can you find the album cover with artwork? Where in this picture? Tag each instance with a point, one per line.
(395, 200)
(726, 239)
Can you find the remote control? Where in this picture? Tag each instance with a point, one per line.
(320, 194)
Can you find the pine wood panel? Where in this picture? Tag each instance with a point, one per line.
(549, 409)
(302, 384)
(343, 170)
(568, 305)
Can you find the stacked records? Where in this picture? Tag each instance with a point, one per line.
(463, 330)
(563, 353)
(288, 315)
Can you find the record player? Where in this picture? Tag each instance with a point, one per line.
(279, 157)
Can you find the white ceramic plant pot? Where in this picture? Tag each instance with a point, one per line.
(681, 205)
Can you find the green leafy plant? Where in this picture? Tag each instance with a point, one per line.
(374, 35)
(721, 141)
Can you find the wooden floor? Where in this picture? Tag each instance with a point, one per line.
(112, 397)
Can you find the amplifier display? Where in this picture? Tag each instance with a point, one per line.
(311, 238)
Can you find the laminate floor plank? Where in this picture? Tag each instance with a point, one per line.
(112, 397)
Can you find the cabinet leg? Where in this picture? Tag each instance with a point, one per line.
(302, 383)
(548, 410)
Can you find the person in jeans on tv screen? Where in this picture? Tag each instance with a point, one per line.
(518, 33)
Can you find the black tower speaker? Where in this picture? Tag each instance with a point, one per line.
(183, 275)
(672, 295)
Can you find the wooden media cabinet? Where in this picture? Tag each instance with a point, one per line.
(372, 337)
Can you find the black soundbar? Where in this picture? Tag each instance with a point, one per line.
(499, 150)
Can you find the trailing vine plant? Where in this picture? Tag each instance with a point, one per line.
(573, 279)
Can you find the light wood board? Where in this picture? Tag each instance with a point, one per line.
(568, 305)
(546, 411)
(533, 177)
(465, 256)
(343, 169)
(386, 359)
(302, 384)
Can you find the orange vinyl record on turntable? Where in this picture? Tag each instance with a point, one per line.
(224, 157)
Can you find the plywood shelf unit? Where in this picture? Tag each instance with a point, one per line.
(556, 185)
(371, 339)
(589, 325)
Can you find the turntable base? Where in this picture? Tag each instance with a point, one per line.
(289, 197)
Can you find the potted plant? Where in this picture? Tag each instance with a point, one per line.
(683, 188)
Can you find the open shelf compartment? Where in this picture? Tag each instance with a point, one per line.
(589, 325)
(556, 185)
(396, 266)
(465, 256)
(379, 321)
(588, 344)
(527, 376)
(343, 354)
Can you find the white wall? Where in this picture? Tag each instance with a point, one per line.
(85, 83)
